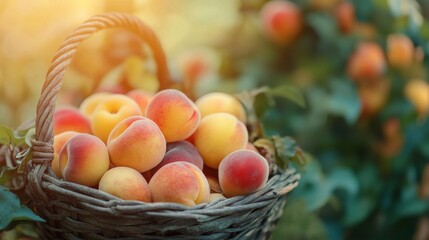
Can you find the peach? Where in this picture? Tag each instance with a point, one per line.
(125, 183)
(141, 97)
(88, 105)
(400, 50)
(282, 21)
(59, 141)
(70, 119)
(252, 147)
(84, 159)
(218, 135)
(216, 196)
(180, 182)
(175, 114)
(220, 102)
(213, 179)
(367, 63)
(243, 172)
(180, 151)
(345, 16)
(136, 142)
(109, 112)
(373, 97)
(417, 92)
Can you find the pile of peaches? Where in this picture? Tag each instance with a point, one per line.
(160, 147)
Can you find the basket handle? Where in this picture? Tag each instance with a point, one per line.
(42, 145)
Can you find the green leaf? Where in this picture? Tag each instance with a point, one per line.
(287, 150)
(262, 102)
(11, 210)
(344, 100)
(289, 92)
(16, 138)
(6, 135)
(357, 209)
(343, 178)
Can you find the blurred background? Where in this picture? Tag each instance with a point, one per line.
(361, 65)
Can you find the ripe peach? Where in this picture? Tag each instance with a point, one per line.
(243, 172)
(141, 97)
(220, 102)
(400, 50)
(180, 182)
(84, 159)
(367, 63)
(70, 119)
(109, 112)
(218, 135)
(174, 113)
(136, 142)
(125, 183)
(180, 151)
(59, 141)
(282, 21)
(345, 16)
(88, 105)
(373, 97)
(417, 92)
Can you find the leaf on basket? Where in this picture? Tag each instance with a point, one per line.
(12, 211)
(16, 138)
(287, 150)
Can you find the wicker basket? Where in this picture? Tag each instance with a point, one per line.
(73, 211)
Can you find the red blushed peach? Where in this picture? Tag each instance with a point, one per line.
(180, 182)
(125, 183)
(59, 141)
(400, 50)
(213, 179)
(70, 119)
(174, 113)
(109, 112)
(218, 135)
(136, 142)
(84, 159)
(220, 102)
(243, 172)
(180, 151)
(367, 63)
(141, 97)
(281, 20)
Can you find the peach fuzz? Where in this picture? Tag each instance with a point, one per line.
(180, 151)
(174, 113)
(125, 183)
(220, 102)
(243, 172)
(218, 135)
(281, 21)
(142, 98)
(180, 182)
(109, 112)
(84, 159)
(88, 105)
(70, 119)
(59, 141)
(136, 142)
